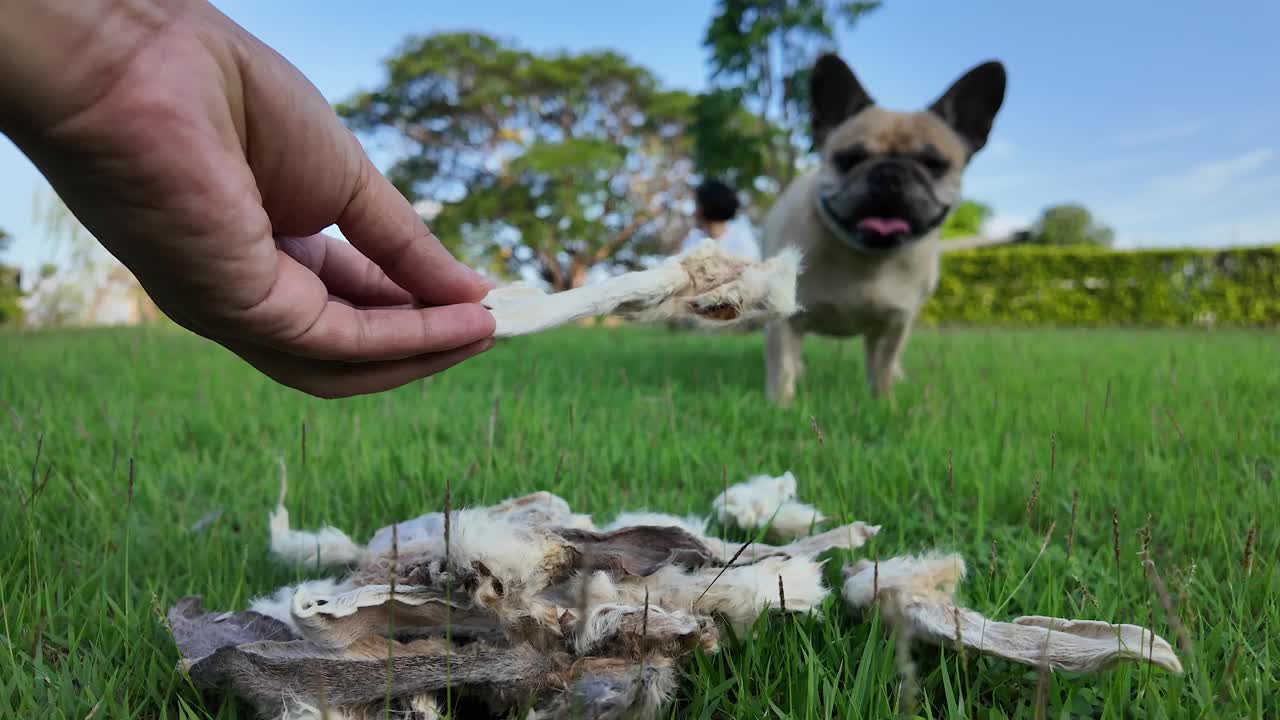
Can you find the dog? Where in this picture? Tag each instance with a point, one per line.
(867, 218)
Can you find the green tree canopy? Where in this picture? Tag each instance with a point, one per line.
(1070, 224)
(555, 163)
(5, 240)
(966, 220)
(761, 55)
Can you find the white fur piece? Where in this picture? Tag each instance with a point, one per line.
(422, 529)
(767, 500)
(919, 591)
(295, 709)
(279, 605)
(523, 557)
(845, 537)
(542, 508)
(692, 524)
(741, 593)
(604, 622)
(309, 602)
(539, 508)
(691, 286)
(425, 706)
(326, 547)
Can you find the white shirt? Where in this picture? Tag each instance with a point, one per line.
(738, 239)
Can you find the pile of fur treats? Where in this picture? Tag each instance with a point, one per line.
(530, 609)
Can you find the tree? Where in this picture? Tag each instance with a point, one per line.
(10, 287)
(550, 164)
(1070, 224)
(761, 55)
(85, 279)
(966, 220)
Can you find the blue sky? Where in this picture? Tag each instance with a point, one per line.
(1155, 116)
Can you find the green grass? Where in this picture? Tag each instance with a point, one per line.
(1178, 430)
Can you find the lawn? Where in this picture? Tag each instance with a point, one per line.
(157, 465)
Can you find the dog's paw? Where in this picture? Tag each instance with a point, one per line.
(781, 396)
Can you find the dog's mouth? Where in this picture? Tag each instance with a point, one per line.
(884, 229)
(877, 231)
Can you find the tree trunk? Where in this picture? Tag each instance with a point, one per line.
(578, 274)
(551, 271)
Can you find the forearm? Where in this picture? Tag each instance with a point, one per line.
(57, 57)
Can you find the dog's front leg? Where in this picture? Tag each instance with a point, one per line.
(884, 354)
(784, 347)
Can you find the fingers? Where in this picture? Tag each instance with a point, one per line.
(345, 333)
(312, 172)
(298, 317)
(381, 223)
(331, 380)
(344, 270)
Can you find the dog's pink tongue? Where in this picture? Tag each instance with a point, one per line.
(885, 226)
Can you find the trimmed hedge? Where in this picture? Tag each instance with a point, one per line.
(1023, 285)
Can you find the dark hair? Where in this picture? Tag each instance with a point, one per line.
(717, 201)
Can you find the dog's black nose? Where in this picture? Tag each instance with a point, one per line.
(889, 176)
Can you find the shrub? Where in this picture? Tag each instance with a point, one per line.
(1089, 286)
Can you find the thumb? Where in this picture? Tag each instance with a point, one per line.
(382, 224)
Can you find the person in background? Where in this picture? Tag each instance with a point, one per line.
(716, 209)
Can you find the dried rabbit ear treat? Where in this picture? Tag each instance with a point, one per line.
(920, 593)
(707, 286)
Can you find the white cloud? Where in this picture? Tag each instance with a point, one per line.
(1210, 203)
(1211, 177)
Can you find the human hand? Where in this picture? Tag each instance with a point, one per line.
(207, 164)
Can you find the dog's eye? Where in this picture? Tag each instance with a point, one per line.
(935, 164)
(846, 159)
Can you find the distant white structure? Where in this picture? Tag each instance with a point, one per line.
(108, 294)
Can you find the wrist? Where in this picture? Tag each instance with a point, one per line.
(58, 57)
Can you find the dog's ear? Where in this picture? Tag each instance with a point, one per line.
(834, 95)
(970, 105)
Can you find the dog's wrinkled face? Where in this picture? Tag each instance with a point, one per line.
(889, 178)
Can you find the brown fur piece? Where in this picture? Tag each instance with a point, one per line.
(263, 673)
(198, 633)
(637, 551)
(612, 689)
